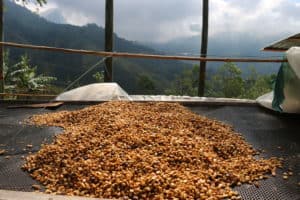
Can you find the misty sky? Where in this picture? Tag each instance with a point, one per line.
(164, 20)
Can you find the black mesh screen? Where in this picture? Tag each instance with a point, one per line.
(278, 135)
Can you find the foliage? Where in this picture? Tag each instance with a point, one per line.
(6, 75)
(22, 77)
(256, 85)
(145, 84)
(185, 83)
(227, 82)
(23, 26)
(262, 85)
(99, 77)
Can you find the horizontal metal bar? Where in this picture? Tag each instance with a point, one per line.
(137, 55)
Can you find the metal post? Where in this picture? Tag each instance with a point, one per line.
(109, 31)
(1, 49)
(204, 40)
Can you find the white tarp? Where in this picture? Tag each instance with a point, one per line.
(286, 96)
(95, 92)
(293, 56)
(171, 98)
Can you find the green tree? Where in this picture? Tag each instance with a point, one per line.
(252, 77)
(6, 74)
(99, 77)
(22, 77)
(146, 84)
(41, 3)
(263, 84)
(186, 83)
(228, 82)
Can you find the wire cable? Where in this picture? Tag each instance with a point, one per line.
(85, 73)
(65, 89)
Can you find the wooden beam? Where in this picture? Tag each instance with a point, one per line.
(52, 105)
(274, 49)
(1, 49)
(109, 34)
(137, 55)
(27, 95)
(204, 41)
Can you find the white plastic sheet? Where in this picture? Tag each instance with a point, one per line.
(95, 92)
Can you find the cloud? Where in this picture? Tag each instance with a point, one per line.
(195, 28)
(157, 20)
(54, 15)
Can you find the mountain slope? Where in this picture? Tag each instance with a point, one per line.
(226, 45)
(23, 26)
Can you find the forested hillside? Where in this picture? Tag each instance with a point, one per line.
(227, 45)
(23, 26)
(136, 76)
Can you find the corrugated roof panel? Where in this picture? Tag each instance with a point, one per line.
(285, 44)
